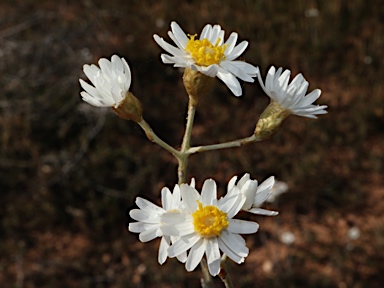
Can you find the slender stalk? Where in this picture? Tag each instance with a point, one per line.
(224, 275)
(230, 144)
(183, 160)
(154, 138)
(208, 280)
(182, 168)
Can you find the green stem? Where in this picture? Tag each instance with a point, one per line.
(154, 138)
(230, 144)
(182, 168)
(183, 159)
(224, 274)
(208, 280)
(182, 171)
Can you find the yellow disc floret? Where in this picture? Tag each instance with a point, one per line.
(208, 221)
(203, 52)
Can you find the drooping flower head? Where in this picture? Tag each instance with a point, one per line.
(209, 54)
(149, 223)
(208, 227)
(111, 82)
(291, 96)
(110, 88)
(286, 99)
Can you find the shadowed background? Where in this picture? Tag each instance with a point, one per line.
(69, 172)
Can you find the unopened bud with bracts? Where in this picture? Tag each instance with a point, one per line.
(271, 120)
(130, 108)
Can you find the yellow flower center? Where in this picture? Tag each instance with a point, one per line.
(203, 52)
(208, 221)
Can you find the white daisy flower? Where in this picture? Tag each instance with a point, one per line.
(111, 82)
(149, 223)
(208, 227)
(255, 194)
(209, 54)
(292, 97)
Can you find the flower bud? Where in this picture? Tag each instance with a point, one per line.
(130, 108)
(271, 120)
(196, 84)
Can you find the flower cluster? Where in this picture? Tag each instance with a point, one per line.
(191, 224)
(212, 57)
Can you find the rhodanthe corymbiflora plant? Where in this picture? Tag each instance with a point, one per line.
(197, 227)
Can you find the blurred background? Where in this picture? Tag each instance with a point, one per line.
(69, 172)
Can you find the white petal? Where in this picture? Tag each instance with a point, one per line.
(284, 79)
(246, 67)
(263, 191)
(238, 50)
(237, 205)
(227, 251)
(244, 180)
(235, 242)
(176, 198)
(181, 229)
(150, 234)
(311, 97)
(106, 68)
(237, 71)
(231, 183)
(166, 198)
(229, 200)
(212, 251)
(91, 71)
(174, 217)
(208, 192)
(178, 36)
(193, 183)
(213, 257)
(138, 227)
(185, 228)
(93, 101)
(231, 42)
(230, 80)
(270, 80)
(265, 212)
(249, 190)
(182, 257)
(216, 30)
(144, 216)
(242, 226)
(167, 47)
(190, 197)
(195, 255)
(206, 32)
(127, 72)
(148, 206)
(90, 89)
(182, 245)
(163, 254)
(210, 70)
